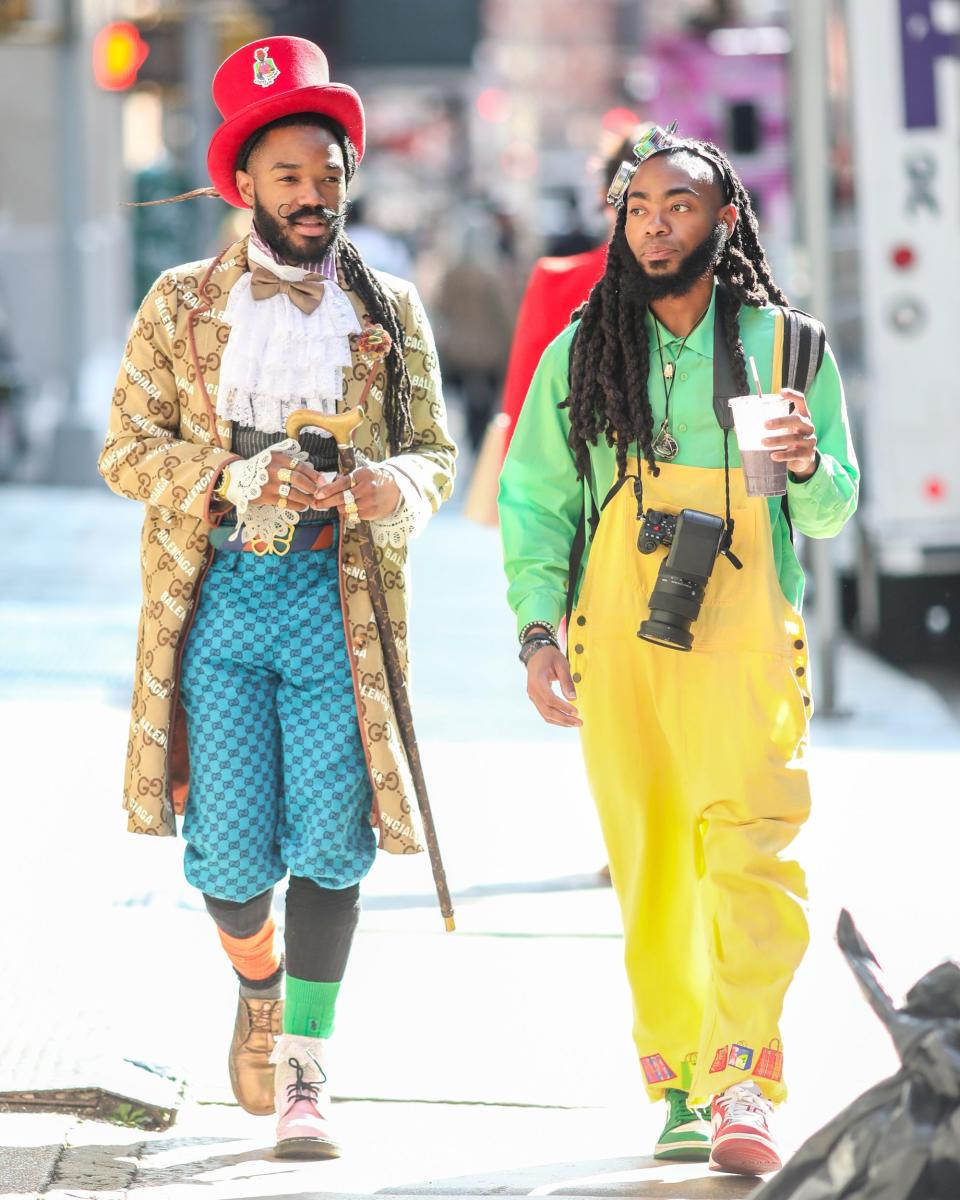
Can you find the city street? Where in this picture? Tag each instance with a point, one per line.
(507, 1066)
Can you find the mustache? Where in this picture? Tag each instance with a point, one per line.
(701, 260)
(318, 211)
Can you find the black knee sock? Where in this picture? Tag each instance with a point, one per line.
(320, 925)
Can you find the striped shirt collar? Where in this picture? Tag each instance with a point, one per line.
(327, 266)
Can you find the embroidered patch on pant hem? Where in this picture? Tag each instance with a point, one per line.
(770, 1064)
(734, 1055)
(656, 1069)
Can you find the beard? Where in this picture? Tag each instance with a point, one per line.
(649, 286)
(280, 233)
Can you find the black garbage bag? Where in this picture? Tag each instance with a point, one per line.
(901, 1139)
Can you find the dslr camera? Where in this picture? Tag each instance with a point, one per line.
(695, 539)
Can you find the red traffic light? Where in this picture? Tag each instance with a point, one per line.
(118, 54)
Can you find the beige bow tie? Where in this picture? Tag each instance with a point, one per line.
(306, 293)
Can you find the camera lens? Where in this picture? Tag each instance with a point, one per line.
(674, 606)
(681, 581)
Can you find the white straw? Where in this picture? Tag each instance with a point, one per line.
(756, 377)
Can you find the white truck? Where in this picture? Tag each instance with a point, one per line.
(904, 98)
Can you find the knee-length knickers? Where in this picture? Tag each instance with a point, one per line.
(278, 778)
(694, 761)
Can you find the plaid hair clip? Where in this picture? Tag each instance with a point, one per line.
(655, 141)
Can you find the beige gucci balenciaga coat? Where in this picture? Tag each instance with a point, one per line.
(165, 447)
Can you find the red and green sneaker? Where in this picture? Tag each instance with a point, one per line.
(686, 1135)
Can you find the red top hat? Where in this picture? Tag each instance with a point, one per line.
(267, 79)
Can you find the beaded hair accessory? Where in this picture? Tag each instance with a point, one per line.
(655, 141)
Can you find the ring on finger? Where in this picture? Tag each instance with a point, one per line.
(284, 490)
(285, 474)
(282, 502)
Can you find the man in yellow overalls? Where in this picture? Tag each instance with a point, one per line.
(694, 759)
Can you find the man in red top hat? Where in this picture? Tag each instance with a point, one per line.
(269, 683)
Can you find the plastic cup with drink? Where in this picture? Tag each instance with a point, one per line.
(763, 475)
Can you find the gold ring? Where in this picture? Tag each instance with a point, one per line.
(282, 502)
(284, 474)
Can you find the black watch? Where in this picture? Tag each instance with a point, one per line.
(534, 643)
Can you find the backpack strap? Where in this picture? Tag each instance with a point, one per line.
(799, 342)
(802, 341)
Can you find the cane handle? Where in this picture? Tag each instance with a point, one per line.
(341, 425)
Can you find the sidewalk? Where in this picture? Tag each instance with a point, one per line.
(507, 1065)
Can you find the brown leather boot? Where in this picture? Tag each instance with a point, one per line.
(258, 1025)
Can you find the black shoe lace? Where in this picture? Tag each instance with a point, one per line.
(302, 1089)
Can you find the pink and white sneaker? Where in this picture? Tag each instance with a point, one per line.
(742, 1141)
(303, 1103)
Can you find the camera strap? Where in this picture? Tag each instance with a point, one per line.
(724, 387)
(588, 520)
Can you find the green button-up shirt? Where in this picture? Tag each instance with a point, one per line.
(541, 500)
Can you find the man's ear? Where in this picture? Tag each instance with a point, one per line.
(729, 215)
(245, 187)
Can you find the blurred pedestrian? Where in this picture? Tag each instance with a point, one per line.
(557, 286)
(695, 759)
(474, 319)
(14, 443)
(381, 251)
(283, 722)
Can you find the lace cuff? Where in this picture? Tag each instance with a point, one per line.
(266, 523)
(411, 515)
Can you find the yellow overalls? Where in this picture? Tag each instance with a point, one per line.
(694, 761)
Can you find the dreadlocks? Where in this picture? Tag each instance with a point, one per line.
(610, 356)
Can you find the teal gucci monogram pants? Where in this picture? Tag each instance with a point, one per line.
(278, 779)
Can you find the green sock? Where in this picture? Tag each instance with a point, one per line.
(309, 1007)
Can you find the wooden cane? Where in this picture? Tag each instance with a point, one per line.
(341, 427)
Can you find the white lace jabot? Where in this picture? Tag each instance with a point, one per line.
(278, 359)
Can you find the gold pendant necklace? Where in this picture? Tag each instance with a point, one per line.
(665, 445)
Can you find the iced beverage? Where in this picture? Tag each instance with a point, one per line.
(762, 475)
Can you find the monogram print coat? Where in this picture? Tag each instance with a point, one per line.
(165, 447)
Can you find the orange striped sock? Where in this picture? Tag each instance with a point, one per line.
(255, 957)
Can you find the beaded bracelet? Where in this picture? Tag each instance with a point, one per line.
(537, 625)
